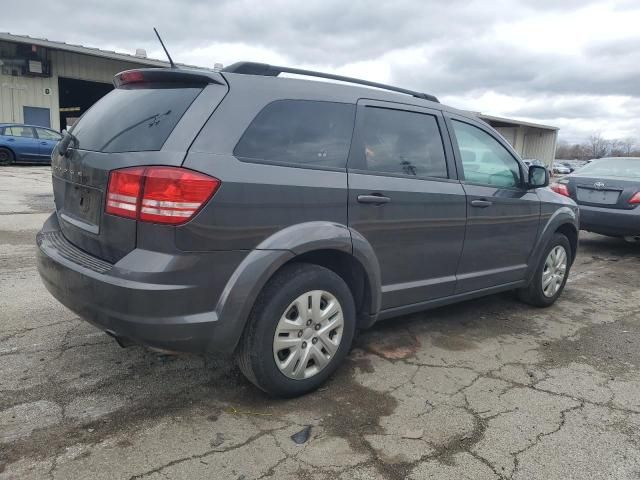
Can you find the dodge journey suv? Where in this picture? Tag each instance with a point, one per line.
(243, 212)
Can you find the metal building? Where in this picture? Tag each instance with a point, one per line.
(52, 83)
(530, 140)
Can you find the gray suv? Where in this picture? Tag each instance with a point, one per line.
(242, 212)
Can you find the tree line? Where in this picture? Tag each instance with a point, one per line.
(597, 147)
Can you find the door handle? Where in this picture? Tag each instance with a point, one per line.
(375, 199)
(481, 203)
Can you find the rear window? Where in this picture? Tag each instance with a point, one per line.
(613, 167)
(301, 133)
(133, 119)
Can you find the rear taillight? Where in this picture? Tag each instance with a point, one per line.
(560, 188)
(635, 200)
(169, 195)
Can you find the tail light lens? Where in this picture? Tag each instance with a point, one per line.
(168, 195)
(635, 200)
(560, 188)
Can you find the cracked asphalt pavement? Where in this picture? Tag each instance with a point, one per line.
(488, 389)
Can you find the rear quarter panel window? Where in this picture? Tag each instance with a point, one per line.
(133, 118)
(299, 132)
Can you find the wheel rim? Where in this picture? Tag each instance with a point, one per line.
(555, 269)
(308, 334)
(4, 156)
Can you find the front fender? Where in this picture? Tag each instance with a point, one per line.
(552, 218)
(250, 277)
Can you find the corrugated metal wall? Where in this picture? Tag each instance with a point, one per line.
(17, 92)
(531, 142)
(540, 144)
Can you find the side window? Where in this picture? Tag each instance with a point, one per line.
(45, 134)
(402, 142)
(484, 160)
(300, 132)
(17, 131)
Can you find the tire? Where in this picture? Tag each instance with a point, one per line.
(6, 156)
(535, 294)
(257, 355)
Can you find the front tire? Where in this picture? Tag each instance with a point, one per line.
(6, 156)
(551, 275)
(299, 331)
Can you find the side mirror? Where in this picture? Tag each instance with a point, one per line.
(538, 176)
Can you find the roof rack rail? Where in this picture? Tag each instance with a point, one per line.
(264, 69)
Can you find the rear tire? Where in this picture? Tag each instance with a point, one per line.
(6, 156)
(264, 355)
(551, 275)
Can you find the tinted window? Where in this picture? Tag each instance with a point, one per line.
(402, 142)
(16, 131)
(484, 159)
(45, 134)
(300, 132)
(133, 119)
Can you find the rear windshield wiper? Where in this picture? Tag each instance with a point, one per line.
(67, 139)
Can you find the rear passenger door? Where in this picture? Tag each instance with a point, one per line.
(503, 215)
(405, 200)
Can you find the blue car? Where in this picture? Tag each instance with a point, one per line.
(26, 143)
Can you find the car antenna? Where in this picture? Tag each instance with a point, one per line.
(173, 65)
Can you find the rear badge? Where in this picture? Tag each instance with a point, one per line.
(598, 185)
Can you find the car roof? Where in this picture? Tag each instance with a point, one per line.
(25, 125)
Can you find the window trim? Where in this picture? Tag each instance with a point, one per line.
(306, 166)
(449, 118)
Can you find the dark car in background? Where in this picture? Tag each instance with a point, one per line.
(269, 217)
(26, 143)
(608, 193)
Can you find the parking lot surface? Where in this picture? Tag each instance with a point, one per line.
(487, 389)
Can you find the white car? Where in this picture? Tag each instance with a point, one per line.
(561, 169)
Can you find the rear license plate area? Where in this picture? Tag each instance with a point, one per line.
(82, 203)
(602, 197)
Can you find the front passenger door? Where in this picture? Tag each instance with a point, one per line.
(502, 214)
(22, 141)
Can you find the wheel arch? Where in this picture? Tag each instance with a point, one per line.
(11, 150)
(327, 244)
(563, 220)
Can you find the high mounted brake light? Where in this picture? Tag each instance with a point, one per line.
(168, 195)
(166, 76)
(131, 76)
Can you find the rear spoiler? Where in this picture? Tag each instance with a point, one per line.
(166, 75)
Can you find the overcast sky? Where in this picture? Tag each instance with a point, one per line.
(574, 64)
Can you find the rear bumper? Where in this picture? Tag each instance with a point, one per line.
(163, 300)
(610, 221)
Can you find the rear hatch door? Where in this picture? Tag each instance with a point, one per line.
(149, 120)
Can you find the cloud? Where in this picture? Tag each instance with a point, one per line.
(574, 64)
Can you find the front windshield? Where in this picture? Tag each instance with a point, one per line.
(613, 167)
